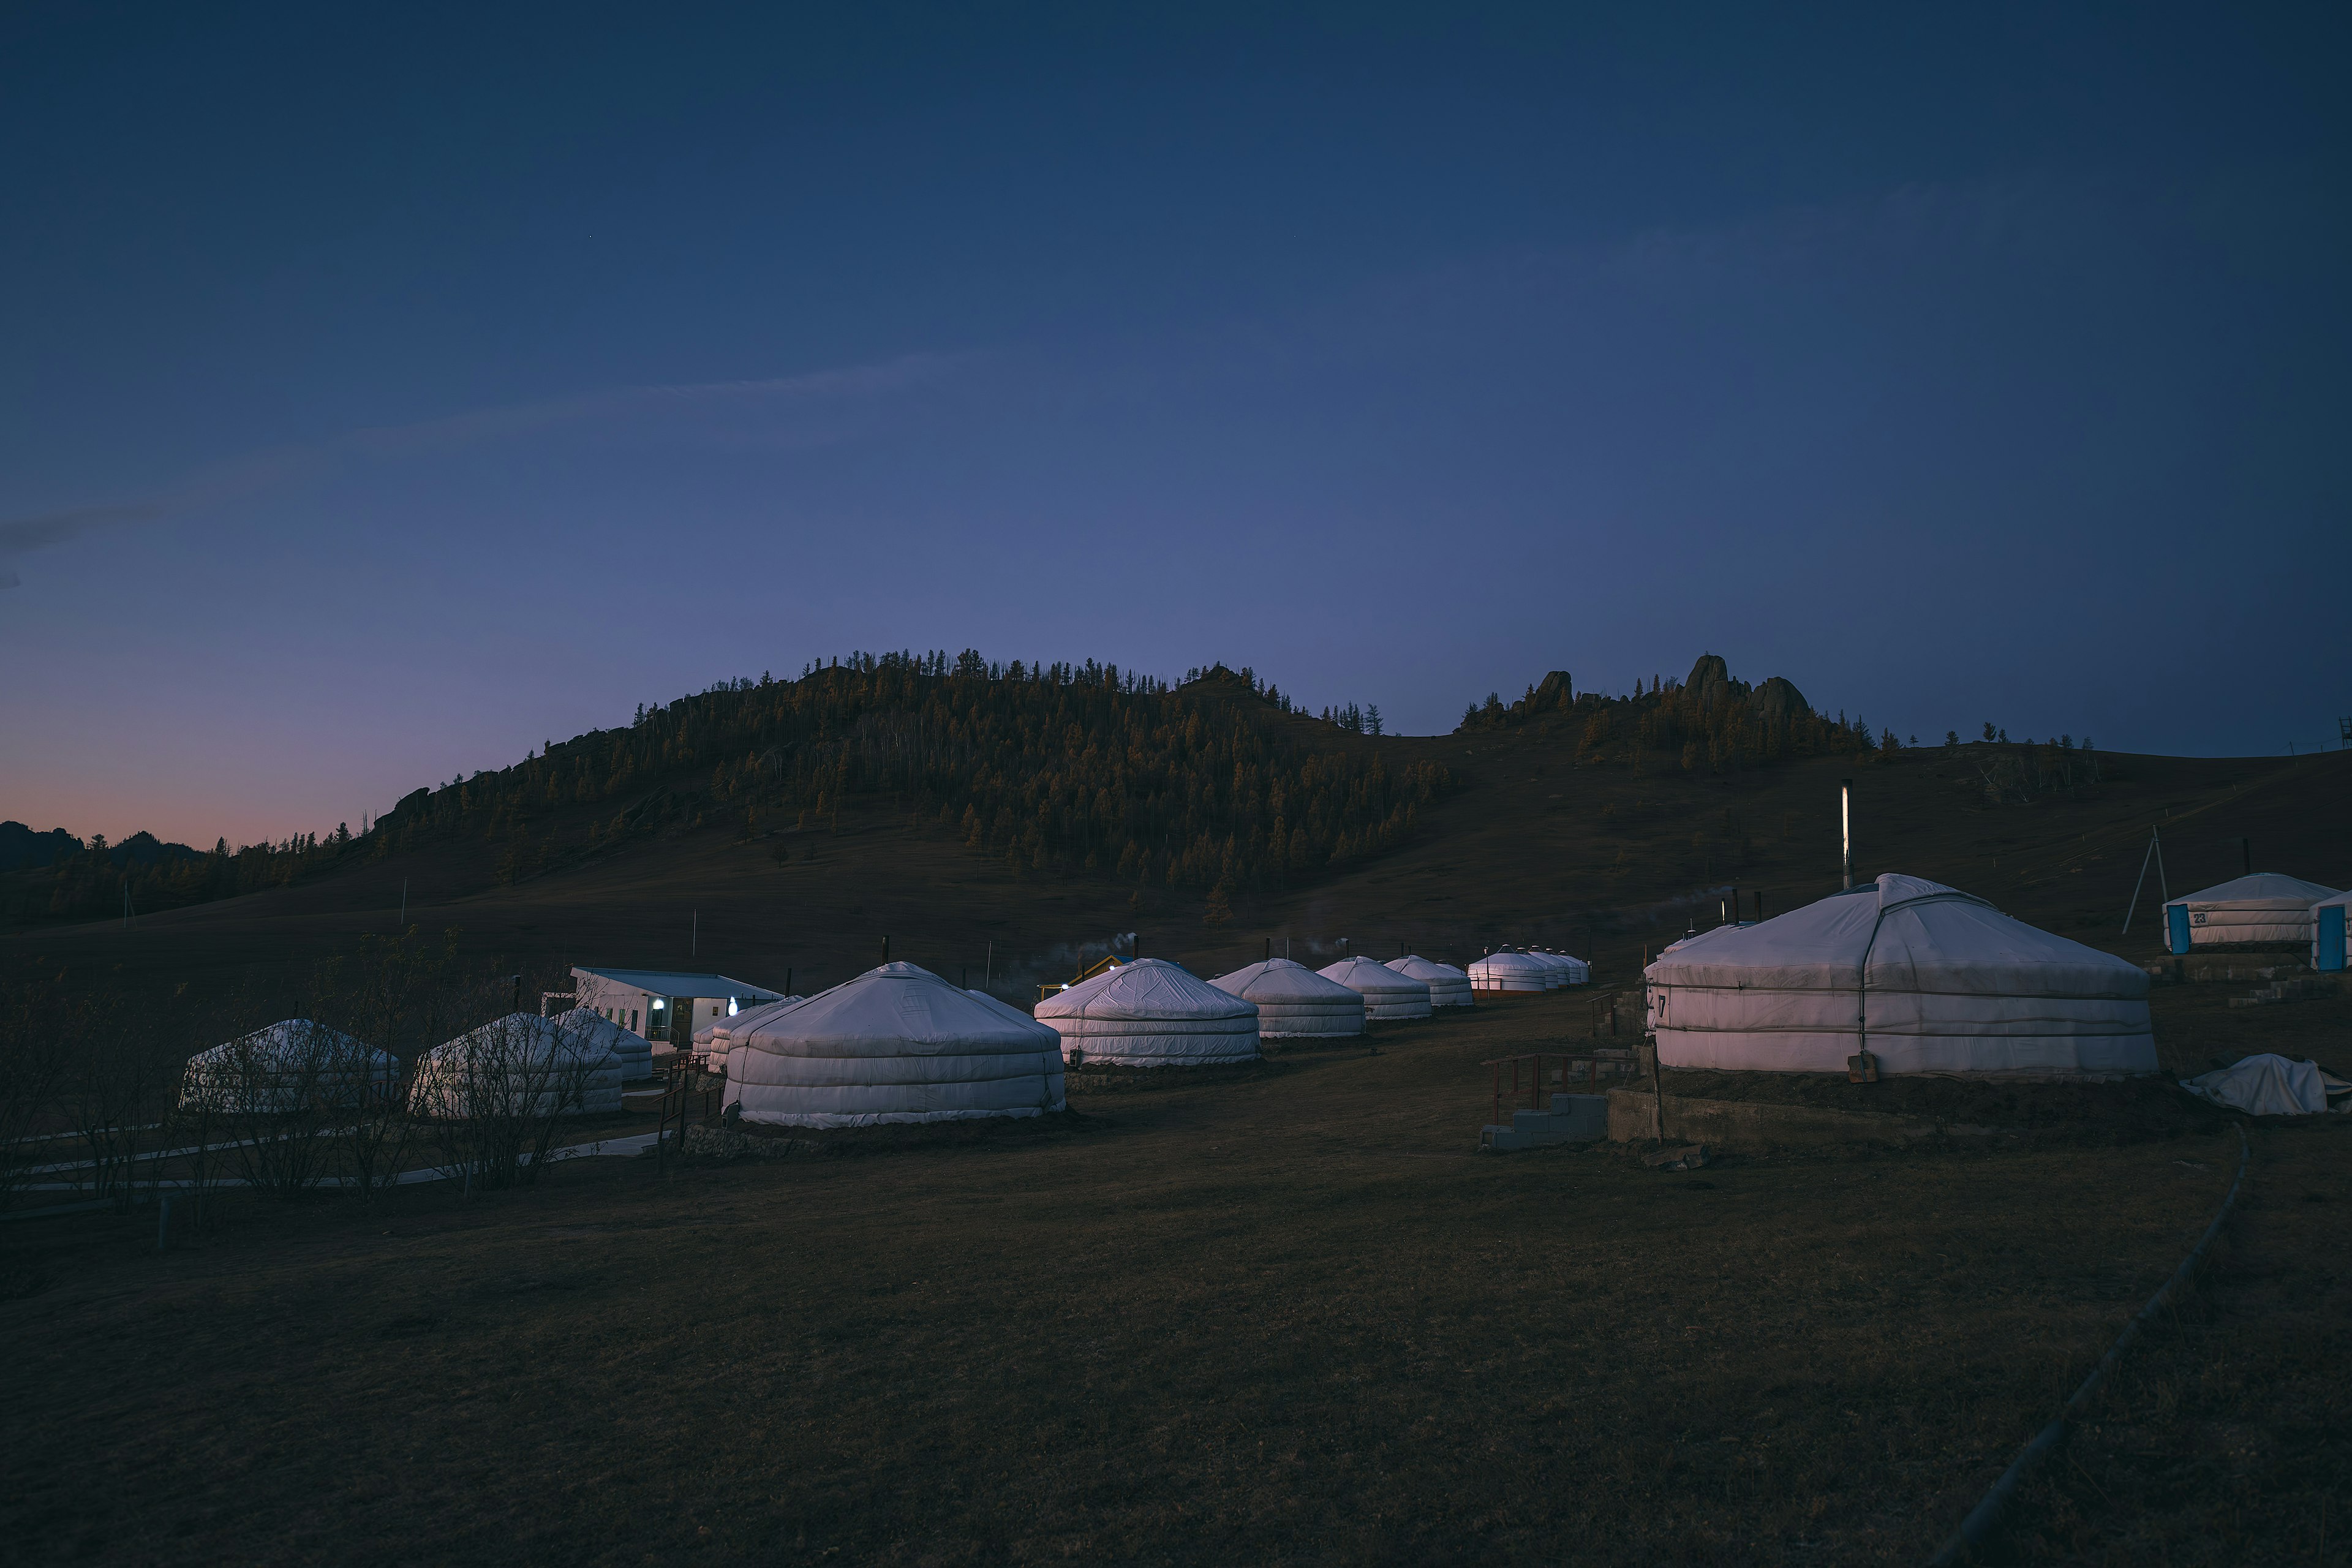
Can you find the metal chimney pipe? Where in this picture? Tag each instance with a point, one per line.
(2246, 854)
(886, 950)
(1845, 830)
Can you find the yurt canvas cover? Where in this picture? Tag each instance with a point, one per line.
(1388, 996)
(896, 1044)
(1294, 1001)
(1448, 986)
(292, 1064)
(1152, 1013)
(718, 1040)
(1928, 978)
(632, 1051)
(521, 1064)
(1056, 1080)
(1513, 971)
(2264, 907)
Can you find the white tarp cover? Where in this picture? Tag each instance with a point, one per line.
(1387, 994)
(631, 1051)
(2264, 907)
(896, 1044)
(1448, 986)
(291, 1064)
(2341, 900)
(1055, 1078)
(1511, 971)
(1152, 1013)
(2270, 1086)
(1294, 1001)
(1932, 980)
(533, 1066)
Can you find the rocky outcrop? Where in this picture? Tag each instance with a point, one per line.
(1779, 698)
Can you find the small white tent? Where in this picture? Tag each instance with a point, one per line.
(521, 1064)
(1294, 1001)
(1510, 971)
(1388, 996)
(2264, 907)
(634, 1052)
(1448, 986)
(1928, 978)
(1056, 1083)
(896, 1044)
(292, 1064)
(1152, 1013)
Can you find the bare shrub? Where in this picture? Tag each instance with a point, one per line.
(497, 1096)
(33, 1061)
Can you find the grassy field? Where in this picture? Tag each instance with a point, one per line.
(1285, 1316)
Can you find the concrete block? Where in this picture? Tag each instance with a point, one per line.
(1581, 1117)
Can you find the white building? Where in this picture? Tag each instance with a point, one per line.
(664, 1006)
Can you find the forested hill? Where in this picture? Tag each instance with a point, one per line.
(1057, 769)
(1218, 784)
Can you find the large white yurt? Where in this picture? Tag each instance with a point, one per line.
(520, 1065)
(292, 1064)
(1152, 1013)
(631, 1051)
(2329, 920)
(2264, 907)
(1388, 996)
(1056, 1078)
(1448, 986)
(1928, 978)
(1511, 971)
(1294, 1003)
(896, 1044)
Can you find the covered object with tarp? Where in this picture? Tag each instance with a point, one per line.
(1927, 978)
(2264, 907)
(1294, 1001)
(2270, 1085)
(292, 1064)
(896, 1045)
(1388, 994)
(520, 1065)
(1152, 1013)
(1448, 986)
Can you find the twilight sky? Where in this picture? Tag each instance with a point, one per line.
(389, 389)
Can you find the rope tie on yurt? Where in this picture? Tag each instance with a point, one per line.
(1987, 1514)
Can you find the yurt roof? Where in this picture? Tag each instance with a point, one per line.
(898, 1009)
(1010, 1011)
(2262, 886)
(749, 1018)
(1365, 975)
(1508, 961)
(590, 1024)
(1145, 989)
(540, 1034)
(292, 1034)
(1914, 934)
(1416, 967)
(1280, 980)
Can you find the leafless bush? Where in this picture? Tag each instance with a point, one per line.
(122, 1068)
(33, 1060)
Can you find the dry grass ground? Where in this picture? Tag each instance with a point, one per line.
(1283, 1318)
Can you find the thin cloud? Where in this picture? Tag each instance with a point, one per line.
(807, 410)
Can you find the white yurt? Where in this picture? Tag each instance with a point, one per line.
(896, 1044)
(1928, 978)
(631, 1051)
(1152, 1013)
(292, 1064)
(521, 1064)
(1388, 996)
(2329, 932)
(1511, 971)
(2264, 907)
(713, 1042)
(1055, 1078)
(1572, 971)
(1294, 1001)
(1448, 986)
